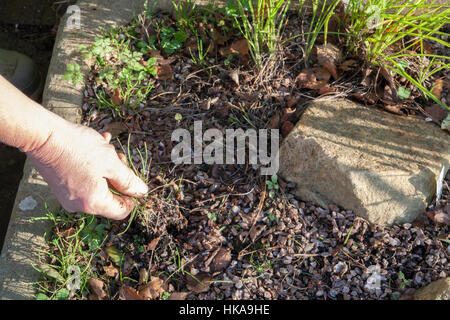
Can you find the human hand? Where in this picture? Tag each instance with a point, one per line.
(78, 163)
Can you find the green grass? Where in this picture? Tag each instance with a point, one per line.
(388, 34)
(394, 35)
(66, 263)
(260, 23)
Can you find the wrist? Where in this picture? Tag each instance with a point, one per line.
(46, 124)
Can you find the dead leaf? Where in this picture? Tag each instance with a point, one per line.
(153, 289)
(178, 296)
(288, 114)
(348, 65)
(220, 38)
(234, 75)
(442, 218)
(365, 97)
(164, 72)
(115, 128)
(437, 88)
(328, 57)
(321, 74)
(116, 98)
(68, 233)
(255, 231)
(97, 288)
(389, 94)
(143, 276)
(221, 260)
(436, 112)
(308, 80)
(200, 283)
(238, 46)
(110, 270)
(292, 101)
(153, 244)
(326, 89)
(274, 122)
(286, 128)
(128, 293)
(396, 109)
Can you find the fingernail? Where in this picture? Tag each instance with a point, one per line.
(142, 187)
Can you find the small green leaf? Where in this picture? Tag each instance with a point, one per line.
(178, 117)
(114, 254)
(403, 64)
(403, 93)
(62, 294)
(51, 272)
(446, 123)
(41, 296)
(274, 178)
(180, 36)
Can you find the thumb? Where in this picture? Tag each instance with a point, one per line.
(126, 182)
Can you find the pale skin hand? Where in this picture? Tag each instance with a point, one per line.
(75, 161)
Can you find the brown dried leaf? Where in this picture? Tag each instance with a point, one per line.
(322, 74)
(365, 97)
(348, 65)
(115, 128)
(200, 283)
(110, 270)
(178, 296)
(308, 80)
(256, 230)
(328, 57)
(292, 101)
(221, 260)
(143, 276)
(153, 244)
(288, 114)
(437, 88)
(396, 109)
(153, 289)
(326, 89)
(238, 46)
(220, 38)
(164, 72)
(436, 112)
(117, 99)
(442, 218)
(274, 122)
(128, 293)
(234, 75)
(97, 289)
(389, 94)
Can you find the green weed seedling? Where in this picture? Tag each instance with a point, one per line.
(73, 74)
(66, 262)
(272, 185)
(172, 40)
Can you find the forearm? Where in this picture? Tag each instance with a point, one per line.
(24, 124)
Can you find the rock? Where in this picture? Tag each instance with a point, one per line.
(437, 290)
(382, 167)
